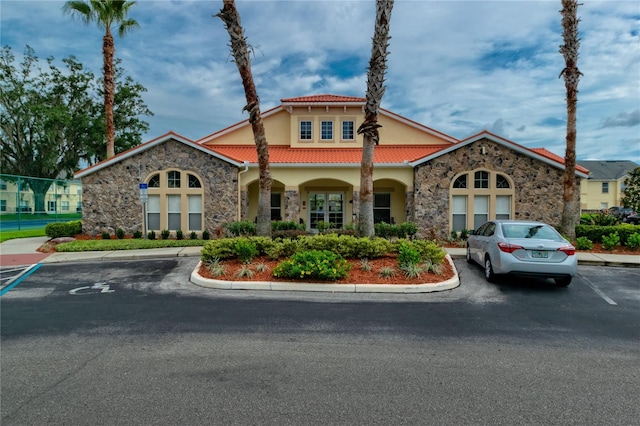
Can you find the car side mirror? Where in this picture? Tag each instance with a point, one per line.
(471, 232)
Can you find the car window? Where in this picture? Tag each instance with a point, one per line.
(539, 232)
(490, 229)
(480, 230)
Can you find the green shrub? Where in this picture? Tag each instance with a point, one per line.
(245, 249)
(179, 234)
(583, 243)
(151, 235)
(120, 233)
(407, 230)
(205, 235)
(407, 255)
(599, 219)
(137, 234)
(222, 248)
(314, 264)
(277, 225)
(106, 235)
(63, 229)
(322, 226)
(610, 241)
(384, 230)
(241, 228)
(595, 232)
(288, 233)
(464, 234)
(633, 242)
(193, 235)
(428, 250)
(164, 234)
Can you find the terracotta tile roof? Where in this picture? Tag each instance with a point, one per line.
(324, 99)
(550, 155)
(287, 155)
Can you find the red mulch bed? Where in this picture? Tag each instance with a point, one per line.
(356, 274)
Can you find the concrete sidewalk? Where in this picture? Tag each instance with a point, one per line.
(23, 251)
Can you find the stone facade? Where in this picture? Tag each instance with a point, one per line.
(111, 200)
(538, 186)
(292, 205)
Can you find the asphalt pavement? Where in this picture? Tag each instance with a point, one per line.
(24, 252)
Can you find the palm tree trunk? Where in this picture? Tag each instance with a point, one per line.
(108, 51)
(369, 127)
(231, 18)
(571, 75)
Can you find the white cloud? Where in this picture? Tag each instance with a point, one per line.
(455, 66)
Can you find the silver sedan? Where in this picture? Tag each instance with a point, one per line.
(522, 248)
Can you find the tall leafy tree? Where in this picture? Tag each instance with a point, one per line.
(46, 118)
(369, 127)
(571, 74)
(52, 121)
(106, 14)
(632, 190)
(231, 18)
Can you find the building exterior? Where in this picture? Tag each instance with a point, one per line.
(420, 175)
(17, 196)
(605, 185)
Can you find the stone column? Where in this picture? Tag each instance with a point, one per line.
(291, 205)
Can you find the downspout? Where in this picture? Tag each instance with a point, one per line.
(245, 164)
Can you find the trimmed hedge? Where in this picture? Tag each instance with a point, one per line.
(63, 229)
(347, 246)
(595, 232)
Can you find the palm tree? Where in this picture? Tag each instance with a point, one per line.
(106, 14)
(231, 18)
(569, 51)
(369, 127)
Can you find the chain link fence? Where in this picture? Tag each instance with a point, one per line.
(30, 203)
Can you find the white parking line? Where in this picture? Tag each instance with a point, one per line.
(598, 291)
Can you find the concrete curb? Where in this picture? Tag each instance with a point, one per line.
(449, 284)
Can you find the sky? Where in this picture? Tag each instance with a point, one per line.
(459, 67)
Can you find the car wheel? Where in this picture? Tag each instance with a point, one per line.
(562, 282)
(469, 259)
(488, 270)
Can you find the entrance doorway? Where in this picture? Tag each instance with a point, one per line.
(328, 207)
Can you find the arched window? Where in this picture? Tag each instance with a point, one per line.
(154, 181)
(460, 182)
(502, 182)
(175, 203)
(491, 197)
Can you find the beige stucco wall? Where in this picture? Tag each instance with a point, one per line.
(538, 186)
(281, 128)
(592, 197)
(111, 197)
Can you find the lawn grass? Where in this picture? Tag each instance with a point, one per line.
(26, 233)
(126, 244)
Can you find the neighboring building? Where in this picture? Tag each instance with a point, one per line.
(605, 185)
(420, 175)
(62, 197)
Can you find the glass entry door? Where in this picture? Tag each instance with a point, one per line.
(326, 207)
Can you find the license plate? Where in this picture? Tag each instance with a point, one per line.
(538, 254)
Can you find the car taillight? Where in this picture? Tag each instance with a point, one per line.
(568, 250)
(509, 248)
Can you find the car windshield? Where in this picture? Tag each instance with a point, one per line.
(539, 232)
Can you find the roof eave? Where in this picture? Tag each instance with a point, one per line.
(148, 145)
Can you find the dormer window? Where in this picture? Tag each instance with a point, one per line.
(326, 133)
(306, 130)
(348, 130)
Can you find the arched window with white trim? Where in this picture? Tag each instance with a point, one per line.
(175, 201)
(479, 195)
